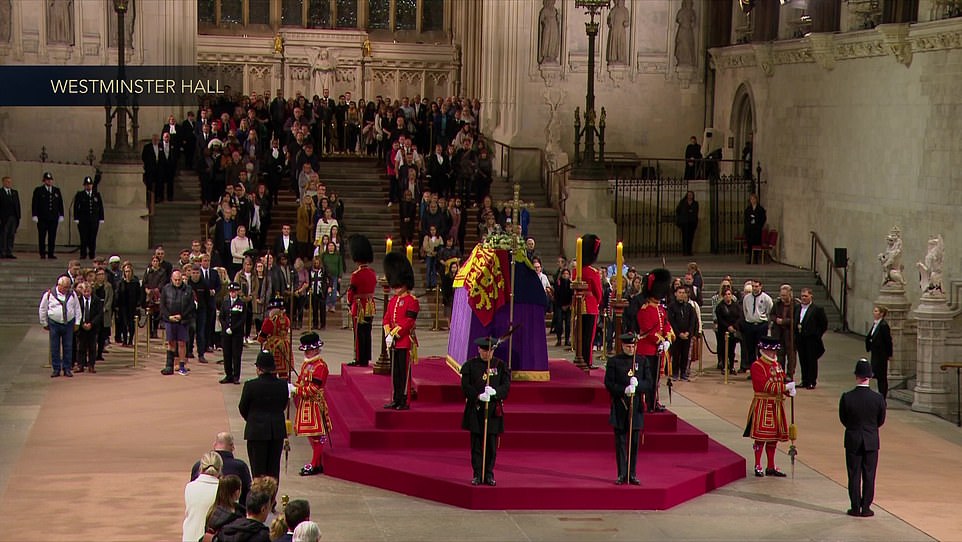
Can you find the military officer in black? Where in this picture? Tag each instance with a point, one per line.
(88, 215)
(47, 213)
(626, 382)
(485, 381)
(233, 313)
(262, 404)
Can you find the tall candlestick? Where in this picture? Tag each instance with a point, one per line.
(390, 244)
(619, 263)
(410, 251)
(578, 259)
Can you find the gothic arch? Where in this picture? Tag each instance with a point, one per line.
(742, 123)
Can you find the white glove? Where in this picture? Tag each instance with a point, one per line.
(484, 398)
(790, 388)
(76, 222)
(60, 219)
(490, 391)
(35, 219)
(228, 331)
(291, 389)
(633, 382)
(629, 390)
(389, 340)
(792, 392)
(664, 346)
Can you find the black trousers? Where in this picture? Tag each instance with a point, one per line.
(362, 341)
(477, 443)
(87, 347)
(46, 233)
(399, 375)
(319, 311)
(265, 457)
(651, 364)
(687, 238)
(861, 465)
(751, 333)
(233, 346)
(720, 348)
(587, 335)
(680, 350)
(808, 362)
(88, 238)
(7, 231)
(621, 447)
(880, 368)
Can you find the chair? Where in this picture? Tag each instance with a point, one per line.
(760, 248)
(768, 246)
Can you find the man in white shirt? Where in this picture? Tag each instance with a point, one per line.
(59, 310)
(756, 306)
(545, 283)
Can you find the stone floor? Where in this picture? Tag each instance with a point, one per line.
(105, 457)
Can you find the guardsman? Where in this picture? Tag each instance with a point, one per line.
(47, 213)
(626, 382)
(485, 381)
(767, 424)
(312, 419)
(654, 331)
(360, 295)
(233, 314)
(400, 318)
(88, 215)
(592, 277)
(275, 337)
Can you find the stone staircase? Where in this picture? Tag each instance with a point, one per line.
(175, 223)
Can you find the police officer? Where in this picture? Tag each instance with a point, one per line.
(88, 215)
(626, 381)
(47, 207)
(485, 382)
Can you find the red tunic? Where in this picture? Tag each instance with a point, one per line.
(312, 419)
(653, 328)
(593, 295)
(360, 294)
(400, 318)
(274, 336)
(766, 417)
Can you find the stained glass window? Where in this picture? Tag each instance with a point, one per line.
(291, 14)
(406, 15)
(432, 15)
(319, 14)
(231, 11)
(258, 11)
(378, 14)
(206, 11)
(346, 14)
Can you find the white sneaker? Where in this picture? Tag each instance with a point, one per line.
(390, 203)
(182, 372)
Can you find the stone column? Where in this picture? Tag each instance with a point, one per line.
(933, 390)
(126, 228)
(904, 341)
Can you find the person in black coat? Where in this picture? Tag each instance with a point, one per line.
(88, 215)
(810, 324)
(262, 404)
(485, 381)
(682, 317)
(224, 446)
(755, 219)
(686, 218)
(91, 320)
(878, 343)
(692, 159)
(9, 217)
(728, 315)
(47, 212)
(626, 383)
(233, 315)
(862, 412)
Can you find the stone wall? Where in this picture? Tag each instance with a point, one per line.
(856, 132)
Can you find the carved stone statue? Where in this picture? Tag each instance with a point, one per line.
(891, 260)
(6, 21)
(685, 35)
(60, 22)
(549, 33)
(129, 19)
(930, 269)
(618, 22)
(323, 69)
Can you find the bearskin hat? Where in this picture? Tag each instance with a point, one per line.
(590, 247)
(398, 271)
(361, 251)
(656, 284)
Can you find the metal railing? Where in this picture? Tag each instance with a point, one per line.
(834, 279)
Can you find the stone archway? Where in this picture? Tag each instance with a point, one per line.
(742, 125)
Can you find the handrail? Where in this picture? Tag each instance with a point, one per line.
(831, 272)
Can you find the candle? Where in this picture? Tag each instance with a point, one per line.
(578, 259)
(619, 263)
(410, 251)
(389, 245)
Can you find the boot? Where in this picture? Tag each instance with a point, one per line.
(169, 368)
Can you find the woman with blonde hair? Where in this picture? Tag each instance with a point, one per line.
(199, 496)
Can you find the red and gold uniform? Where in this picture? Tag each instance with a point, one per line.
(311, 418)
(360, 295)
(274, 336)
(767, 425)
(589, 320)
(399, 321)
(653, 330)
